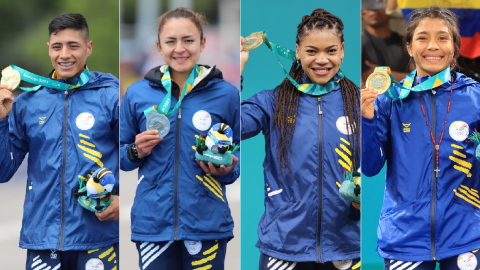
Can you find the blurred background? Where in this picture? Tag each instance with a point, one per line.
(383, 26)
(24, 43)
(138, 54)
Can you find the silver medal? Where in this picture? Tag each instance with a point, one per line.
(160, 122)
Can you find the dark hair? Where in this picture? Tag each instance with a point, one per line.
(181, 12)
(288, 96)
(68, 21)
(433, 12)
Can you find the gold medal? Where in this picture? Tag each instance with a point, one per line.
(379, 80)
(10, 77)
(253, 41)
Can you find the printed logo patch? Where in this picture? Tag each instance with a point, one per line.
(53, 255)
(202, 120)
(406, 127)
(343, 125)
(193, 247)
(342, 264)
(459, 131)
(85, 121)
(94, 264)
(41, 120)
(467, 261)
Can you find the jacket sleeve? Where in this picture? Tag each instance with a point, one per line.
(256, 114)
(128, 130)
(376, 138)
(13, 144)
(234, 123)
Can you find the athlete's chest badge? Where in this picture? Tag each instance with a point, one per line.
(85, 121)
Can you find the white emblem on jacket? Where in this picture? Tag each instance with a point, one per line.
(85, 121)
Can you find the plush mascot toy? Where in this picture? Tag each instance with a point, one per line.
(217, 147)
(350, 189)
(95, 193)
(475, 137)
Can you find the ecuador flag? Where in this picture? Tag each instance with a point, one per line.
(468, 14)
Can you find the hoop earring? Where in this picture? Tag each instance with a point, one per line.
(342, 60)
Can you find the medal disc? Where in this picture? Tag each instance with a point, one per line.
(10, 77)
(380, 81)
(253, 41)
(160, 122)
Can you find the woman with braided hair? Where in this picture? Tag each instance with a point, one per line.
(311, 139)
(431, 206)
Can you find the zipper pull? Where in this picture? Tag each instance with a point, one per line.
(319, 107)
(179, 113)
(434, 92)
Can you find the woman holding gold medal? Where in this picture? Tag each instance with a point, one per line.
(309, 122)
(180, 217)
(421, 127)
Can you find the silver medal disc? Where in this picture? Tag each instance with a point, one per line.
(160, 122)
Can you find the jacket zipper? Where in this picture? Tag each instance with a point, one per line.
(179, 117)
(434, 128)
(320, 115)
(64, 166)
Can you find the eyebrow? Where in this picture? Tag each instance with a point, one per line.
(69, 43)
(438, 32)
(311, 46)
(189, 36)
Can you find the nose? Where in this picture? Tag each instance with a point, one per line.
(179, 48)
(65, 52)
(432, 45)
(321, 59)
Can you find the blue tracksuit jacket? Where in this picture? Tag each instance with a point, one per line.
(425, 217)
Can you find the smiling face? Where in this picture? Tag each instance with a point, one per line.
(68, 50)
(431, 47)
(180, 45)
(320, 53)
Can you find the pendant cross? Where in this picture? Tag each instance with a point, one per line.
(436, 172)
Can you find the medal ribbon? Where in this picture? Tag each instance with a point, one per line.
(43, 81)
(310, 89)
(164, 106)
(408, 84)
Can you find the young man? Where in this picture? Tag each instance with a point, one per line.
(67, 134)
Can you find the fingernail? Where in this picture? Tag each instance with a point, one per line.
(156, 136)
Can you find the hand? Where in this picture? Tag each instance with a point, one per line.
(112, 212)
(243, 55)
(145, 142)
(356, 205)
(368, 96)
(212, 170)
(6, 100)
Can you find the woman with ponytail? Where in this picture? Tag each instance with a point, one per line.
(311, 140)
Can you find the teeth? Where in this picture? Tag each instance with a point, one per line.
(321, 70)
(66, 64)
(184, 58)
(433, 57)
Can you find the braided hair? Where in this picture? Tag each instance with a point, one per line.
(288, 96)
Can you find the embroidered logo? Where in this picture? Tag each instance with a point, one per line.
(85, 121)
(406, 127)
(342, 264)
(94, 264)
(42, 120)
(459, 131)
(53, 255)
(344, 126)
(202, 120)
(291, 119)
(467, 261)
(193, 247)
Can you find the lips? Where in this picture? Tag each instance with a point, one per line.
(66, 65)
(433, 58)
(321, 71)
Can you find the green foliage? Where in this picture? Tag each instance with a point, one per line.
(475, 137)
